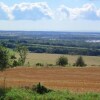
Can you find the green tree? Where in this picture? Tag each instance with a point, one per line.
(4, 58)
(62, 61)
(4, 61)
(80, 62)
(22, 50)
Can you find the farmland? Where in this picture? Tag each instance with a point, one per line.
(44, 49)
(74, 79)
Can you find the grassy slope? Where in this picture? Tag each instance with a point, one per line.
(22, 94)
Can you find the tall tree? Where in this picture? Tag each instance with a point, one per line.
(4, 58)
(80, 62)
(22, 50)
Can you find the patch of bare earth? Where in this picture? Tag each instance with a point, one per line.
(75, 79)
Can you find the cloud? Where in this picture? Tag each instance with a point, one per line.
(25, 11)
(87, 11)
(98, 13)
(31, 11)
(5, 12)
(41, 10)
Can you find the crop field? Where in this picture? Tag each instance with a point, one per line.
(45, 59)
(74, 79)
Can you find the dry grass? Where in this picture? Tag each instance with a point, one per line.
(34, 58)
(75, 79)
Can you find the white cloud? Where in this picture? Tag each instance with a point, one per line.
(41, 10)
(25, 11)
(98, 13)
(31, 11)
(87, 11)
(5, 12)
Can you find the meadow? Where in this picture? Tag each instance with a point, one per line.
(46, 59)
(23, 94)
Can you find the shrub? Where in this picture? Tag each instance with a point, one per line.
(40, 89)
(19, 94)
(39, 64)
(13, 57)
(80, 62)
(62, 61)
(50, 65)
(2, 93)
(15, 63)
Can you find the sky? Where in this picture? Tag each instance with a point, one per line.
(50, 15)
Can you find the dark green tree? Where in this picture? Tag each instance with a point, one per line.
(80, 62)
(22, 50)
(62, 61)
(4, 58)
(41, 89)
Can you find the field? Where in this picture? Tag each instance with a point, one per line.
(45, 59)
(75, 79)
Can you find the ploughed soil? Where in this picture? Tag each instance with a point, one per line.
(74, 79)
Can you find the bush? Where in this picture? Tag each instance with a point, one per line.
(13, 57)
(80, 62)
(39, 64)
(15, 63)
(2, 93)
(40, 89)
(62, 61)
(18, 94)
(50, 65)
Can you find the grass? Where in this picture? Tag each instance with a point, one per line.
(23, 94)
(45, 59)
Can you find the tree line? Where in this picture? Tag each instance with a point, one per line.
(10, 60)
(76, 43)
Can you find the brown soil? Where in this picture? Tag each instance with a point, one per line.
(75, 79)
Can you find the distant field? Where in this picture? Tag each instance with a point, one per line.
(44, 58)
(76, 79)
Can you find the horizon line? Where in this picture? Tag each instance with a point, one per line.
(48, 31)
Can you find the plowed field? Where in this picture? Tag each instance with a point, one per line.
(75, 79)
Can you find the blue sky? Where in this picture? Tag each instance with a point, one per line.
(53, 15)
